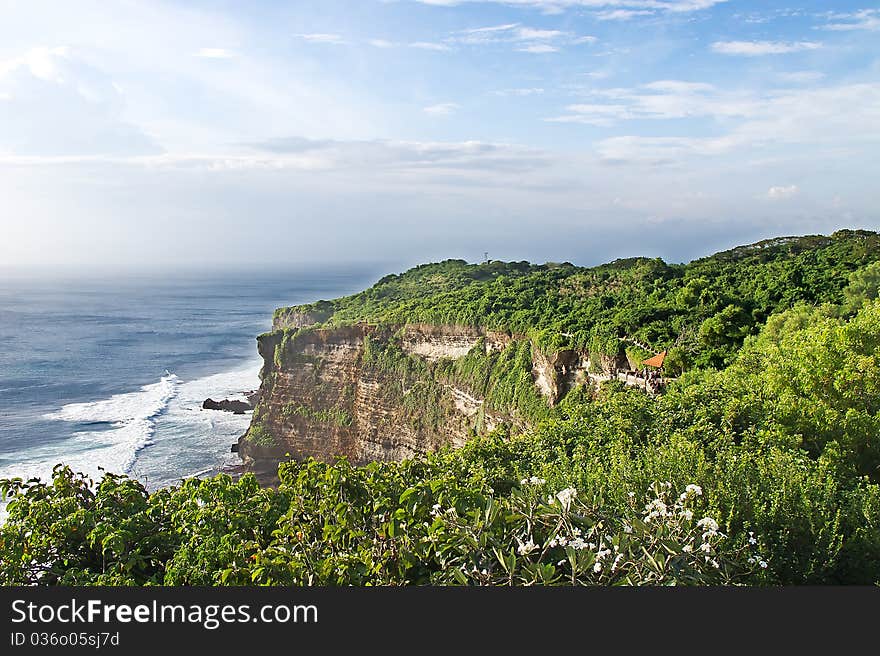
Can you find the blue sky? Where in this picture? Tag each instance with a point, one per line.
(142, 135)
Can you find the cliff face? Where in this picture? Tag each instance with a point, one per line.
(371, 393)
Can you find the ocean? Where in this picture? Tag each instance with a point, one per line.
(111, 374)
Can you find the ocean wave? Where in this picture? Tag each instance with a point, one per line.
(129, 420)
(142, 405)
(112, 434)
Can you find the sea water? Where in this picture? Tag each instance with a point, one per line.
(110, 374)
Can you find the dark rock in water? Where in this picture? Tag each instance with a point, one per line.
(236, 407)
(253, 398)
(235, 447)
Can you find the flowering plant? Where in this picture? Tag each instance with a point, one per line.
(534, 537)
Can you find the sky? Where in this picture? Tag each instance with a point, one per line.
(219, 134)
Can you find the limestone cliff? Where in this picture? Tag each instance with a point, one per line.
(389, 393)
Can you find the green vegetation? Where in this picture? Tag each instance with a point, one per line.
(334, 416)
(502, 379)
(259, 435)
(706, 308)
(764, 469)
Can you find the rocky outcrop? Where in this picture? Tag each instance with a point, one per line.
(325, 393)
(226, 405)
(436, 342)
(300, 317)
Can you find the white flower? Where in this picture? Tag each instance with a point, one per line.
(709, 524)
(706, 547)
(696, 490)
(616, 560)
(763, 564)
(435, 510)
(687, 514)
(715, 563)
(533, 480)
(627, 528)
(579, 544)
(687, 548)
(654, 509)
(751, 561)
(565, 496)
(631, 494)
(526, 548)
(752, 539)
(597, 567)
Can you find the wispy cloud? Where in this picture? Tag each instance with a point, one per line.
(381, 43)
(332, 39)
(622, 14)
(555, 6)
(759, 48)
(441, 109)
(783, 193)
(55, 103)
(214, 53)
(539, 48)
(829, 117)
(524, 38)
(801, 77)
(430, 45)
(660, 100)
(865, 19)
(532, 91)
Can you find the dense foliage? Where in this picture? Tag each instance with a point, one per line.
(764, 471)
(705, 309)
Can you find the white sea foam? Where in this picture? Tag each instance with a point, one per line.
(167, 417)
(190, 441)
(130, 423)
(144, 404)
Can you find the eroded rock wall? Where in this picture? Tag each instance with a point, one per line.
(322, 398)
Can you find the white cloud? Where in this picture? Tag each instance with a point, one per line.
(838, 117)
(759, 48)
(593, 114)
(381, 43)
(214, 53)
(533, 91)
(538, 48)
(659, 100)
(429, 45)
(441, 109)
(331, 39)
(622, 14)
(555, 6)
(526, 39)
(801, 77)
(490, 29)
(531, 34)
(306, 155)
(865, 19)
(57, 104)
(782, 193)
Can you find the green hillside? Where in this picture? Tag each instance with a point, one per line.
(705, 308)
(759, 465)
